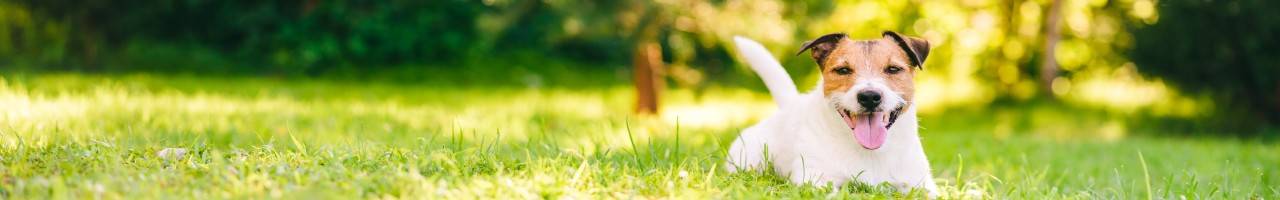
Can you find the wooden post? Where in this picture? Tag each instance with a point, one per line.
(647, 63)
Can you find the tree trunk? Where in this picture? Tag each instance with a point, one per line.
(647, 60)
(89, 44)
(308, 6)
(1049, 65)
(647, 63)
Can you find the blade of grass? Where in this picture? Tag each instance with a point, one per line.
(1146, 175)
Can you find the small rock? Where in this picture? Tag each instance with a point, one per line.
(172, 153)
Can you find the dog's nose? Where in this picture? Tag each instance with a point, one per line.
(869, 99)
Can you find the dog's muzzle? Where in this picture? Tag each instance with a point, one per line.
(871, 125)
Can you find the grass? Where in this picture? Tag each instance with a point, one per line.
(82, 136)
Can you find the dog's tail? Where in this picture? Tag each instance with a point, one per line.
(774, 76)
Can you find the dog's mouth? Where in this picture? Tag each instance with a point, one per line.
(870, 128)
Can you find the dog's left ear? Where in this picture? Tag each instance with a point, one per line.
(917, 49)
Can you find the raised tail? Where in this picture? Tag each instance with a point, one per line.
(775, 77)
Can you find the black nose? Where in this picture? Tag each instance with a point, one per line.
(869, 99)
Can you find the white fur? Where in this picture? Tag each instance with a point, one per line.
(889, 100)
(775, 77)
(808, 142)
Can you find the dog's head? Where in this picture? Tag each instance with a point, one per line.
(868, 82)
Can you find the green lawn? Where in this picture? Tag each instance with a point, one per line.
(85, 136)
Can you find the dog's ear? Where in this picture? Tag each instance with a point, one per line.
(917, 49)
(822, 46)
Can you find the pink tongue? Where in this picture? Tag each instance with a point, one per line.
(869, 129)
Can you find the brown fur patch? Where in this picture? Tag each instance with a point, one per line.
(868, 59)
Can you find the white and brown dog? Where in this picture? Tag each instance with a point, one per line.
(859, 124)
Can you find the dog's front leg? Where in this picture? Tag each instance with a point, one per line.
(921, 182)
(931, 188)
(928, 187)
(747, 153)
(810, 172)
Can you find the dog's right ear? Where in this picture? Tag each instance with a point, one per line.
(822, 46)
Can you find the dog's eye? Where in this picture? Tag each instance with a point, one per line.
(844, 71)
(892, 70)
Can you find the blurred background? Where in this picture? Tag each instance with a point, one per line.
(1057, 67)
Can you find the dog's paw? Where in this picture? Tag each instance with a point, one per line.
(817, 179)
(929, 190)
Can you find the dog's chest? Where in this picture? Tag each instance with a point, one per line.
(823, 143)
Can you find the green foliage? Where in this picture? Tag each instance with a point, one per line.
(984, 53)
(333, 37)
(1225, 49)
(27, 39)
(286, 37)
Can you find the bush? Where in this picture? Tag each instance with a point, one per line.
(285, 37)
(1224, 49)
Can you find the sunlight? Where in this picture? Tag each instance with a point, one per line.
(936, 93)
(1123, 90)
(717, 108)
(1145, 10)
(717, 114)
(20, 107)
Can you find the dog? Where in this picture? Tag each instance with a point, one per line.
(858, 124)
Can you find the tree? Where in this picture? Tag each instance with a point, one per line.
(1053, 33)
(1223, 49)
(282, 37)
